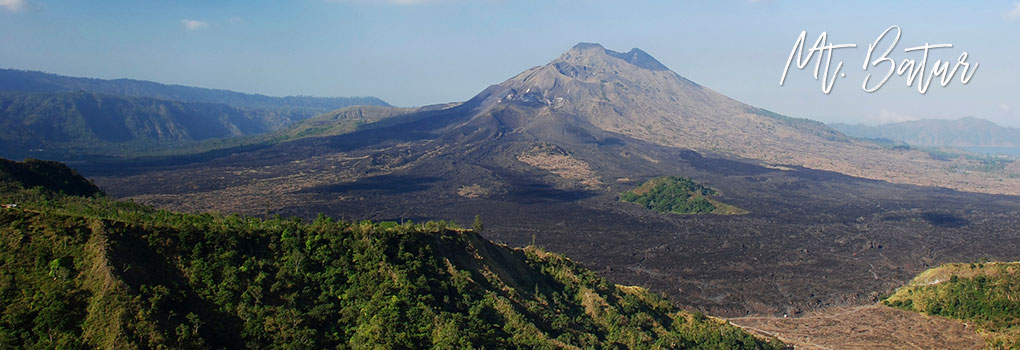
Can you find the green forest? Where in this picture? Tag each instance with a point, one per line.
(678, 195)
(79, 270)
(987, 295)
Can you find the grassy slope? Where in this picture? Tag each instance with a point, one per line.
(987, 295)
(91, 272)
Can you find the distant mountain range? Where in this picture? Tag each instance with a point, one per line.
(30, 81)
(80, 123)
(58, 117)
(965, 132)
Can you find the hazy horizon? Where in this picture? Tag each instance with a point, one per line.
(412, 53)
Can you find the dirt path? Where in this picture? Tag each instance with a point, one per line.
(865, 327)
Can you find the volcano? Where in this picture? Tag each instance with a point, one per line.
(543, 156)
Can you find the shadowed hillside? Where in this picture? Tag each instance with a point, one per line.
(47, 175)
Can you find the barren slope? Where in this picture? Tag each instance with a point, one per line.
(632, 94)
(865, 327)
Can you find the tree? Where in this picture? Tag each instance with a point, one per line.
(477, 226)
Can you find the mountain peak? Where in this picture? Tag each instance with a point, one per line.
(589, 72)
(586, 46)
(639, 58)
(635, 56)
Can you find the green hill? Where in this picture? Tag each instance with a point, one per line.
(88, 272)
(983, 294)
(678, 195)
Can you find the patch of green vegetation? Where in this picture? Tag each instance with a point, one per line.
(983, 294)
(91, 272)
(680, 195)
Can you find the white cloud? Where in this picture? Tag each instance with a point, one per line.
(1004, 107)
(1014, 13)
(13, 5)
(234, 20)
(191, 24)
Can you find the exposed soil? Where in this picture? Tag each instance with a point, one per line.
(865, 327)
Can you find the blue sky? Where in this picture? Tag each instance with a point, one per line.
(416, 52)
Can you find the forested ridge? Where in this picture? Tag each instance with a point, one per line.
(89, 271)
